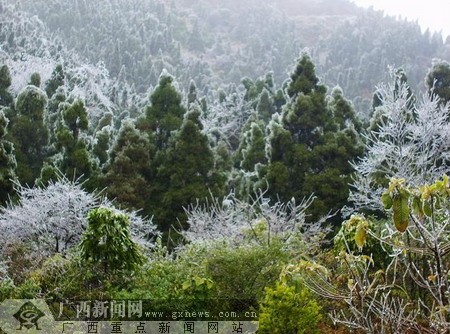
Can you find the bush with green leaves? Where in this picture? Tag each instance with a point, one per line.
(173, 281)
(107, 243)
(289, 308)
(241, 273)
(68, 277)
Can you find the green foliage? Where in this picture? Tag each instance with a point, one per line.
(311, 146)
(7, 162)
(56, 80)
(241, 274)
(107, 243)
(6, 99)
(252, 147)
(289, 309)
(129, 166)
(61, 277)
(356, 235)
(72, 158)
(6, 289)
(438, 81)
(185, 175)
(21, 261)
(29, 133)
(30, 289)
(304, 79)
(174, 281)
(35, 80)
(414, 268)
(165, 113)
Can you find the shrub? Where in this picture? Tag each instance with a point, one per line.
(289, 309)
(107, 243)
(242, 273)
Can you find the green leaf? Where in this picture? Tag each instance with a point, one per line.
(401, 211)
(186, 285)
(361, 235)
(417, 206)
(386, 199)
(199, 280)
(426, 207)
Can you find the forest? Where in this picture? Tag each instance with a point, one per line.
(285, 158)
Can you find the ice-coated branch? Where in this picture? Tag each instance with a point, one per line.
(234, 221)
(409, 140)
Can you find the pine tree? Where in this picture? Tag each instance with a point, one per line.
(192, 95)
(102, 143)
(343, 110)
(186, 174)
(265, 106)
(128, 167)
(312, 144)
(35, 80)
(6, 99)
(7, 162)
(30, 133)
(73, 160)
(165, 113)
(250, 156)
(438, 80)
(56, 80)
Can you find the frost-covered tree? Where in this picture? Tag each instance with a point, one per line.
(255, 221)
(250, 156)
(102, 142)
(265, 106)
(410, 142)
(343, 111)
(225, 119)
(55, 81)
(52, 219)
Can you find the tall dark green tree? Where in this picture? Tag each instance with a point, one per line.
(165, 114)
(312, 144)
(7, 162)
(30, 133)
(128, 167)
(55, 81)
(35, 80)
(265, 106)
(438, 79)
(343, 111)
(73, 157)
(250, 156)
(6, 99)
(186, 175)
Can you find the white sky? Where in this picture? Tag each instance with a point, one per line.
(433, 14)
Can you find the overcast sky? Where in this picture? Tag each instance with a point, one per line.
(434, 14)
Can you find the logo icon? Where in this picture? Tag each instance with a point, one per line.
(28, 316)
